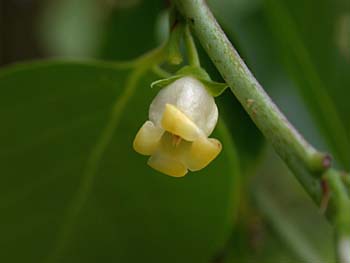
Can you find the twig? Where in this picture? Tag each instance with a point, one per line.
(308, 164)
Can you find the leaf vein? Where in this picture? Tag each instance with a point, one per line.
(92, 166)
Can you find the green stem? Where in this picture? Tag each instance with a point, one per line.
(303, 159)
(341, 219)
(161, 72)
(307, 164)
(192, 53)
(311, 86)
(170, 51)
(148, 59)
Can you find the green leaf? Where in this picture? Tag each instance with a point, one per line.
(309, 53)
(130, 32)
(291, 214)
(95, 28)
(73, 190)
(72, 27)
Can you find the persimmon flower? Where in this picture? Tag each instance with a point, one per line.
(181, 117)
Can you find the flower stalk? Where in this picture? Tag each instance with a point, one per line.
(192, 53)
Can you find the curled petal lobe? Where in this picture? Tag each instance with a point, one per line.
(167, 165)
(202, 152)
(147, 138)
(175, 122)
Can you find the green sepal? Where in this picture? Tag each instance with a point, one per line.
(197, 72)
(214, 88)
(165, 82)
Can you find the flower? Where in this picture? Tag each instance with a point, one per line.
(181, 117)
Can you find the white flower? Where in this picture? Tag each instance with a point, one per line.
(181, 117)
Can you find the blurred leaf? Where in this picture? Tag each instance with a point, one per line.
(131, 32)
(73, 190)
(287, 231)
(255, 242)
(72, 27)
(305, 41)
(233, 10)
(294, 215)
(281, 223)
(109, 29)
(248, 139)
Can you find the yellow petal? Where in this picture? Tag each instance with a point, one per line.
(176, 122)
(202, 152)
(147, 139)
(167, 165)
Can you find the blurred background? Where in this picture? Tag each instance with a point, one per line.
(299, 50)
